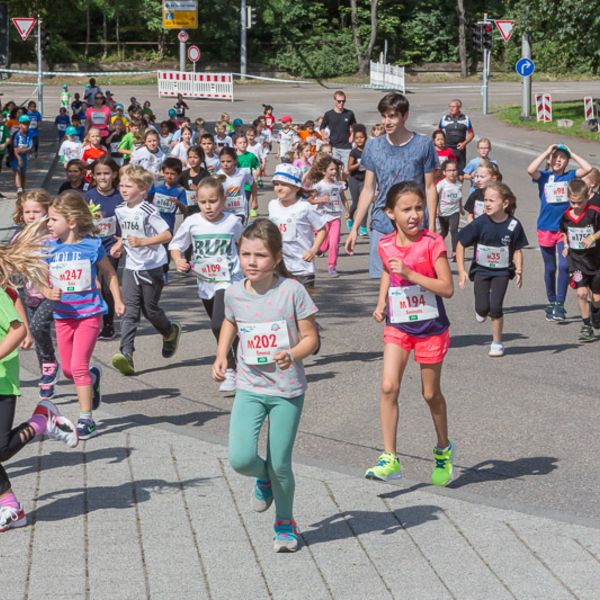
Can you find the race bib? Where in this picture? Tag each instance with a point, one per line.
(107, 226)
(261, 341)
(33, 124)
(98, 118)
(478, 208)
(132, 226)
(71, 275)
(114, 147)
(190, 196)
(287, 228)
(212, 269)
(450, 198)
(411, 304)
(236, 204)
(335, 203)
(556, 192)
(164, 203)
(492, 257)
(577, 235)
(61, 127)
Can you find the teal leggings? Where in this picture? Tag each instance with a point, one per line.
(247, 417)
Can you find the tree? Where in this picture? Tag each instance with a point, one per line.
(363, 55)
(462, 41)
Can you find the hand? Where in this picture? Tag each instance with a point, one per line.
(119, 308)
(397, 266)
(219, 369)
(460, 145)
(309, 255)
(135, 242)
(462, 279)
(565, 251)
(346, 215)
(519, 279)
(351, 242)
(283, 359)
(550, 149)
(324, 199)
(116, 252)
(27, 342)
(379, 313)
(589, 241)
(182, 265)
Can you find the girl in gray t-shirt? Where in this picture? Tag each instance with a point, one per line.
(273, 316)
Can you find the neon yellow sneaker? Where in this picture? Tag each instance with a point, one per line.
(443, 471)
(387, 467)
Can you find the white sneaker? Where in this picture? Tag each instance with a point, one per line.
(57, 427)
(479, 318)
(496, 349)
(11, 518)
(229, 384)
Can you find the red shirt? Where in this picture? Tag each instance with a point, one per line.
(11, 293)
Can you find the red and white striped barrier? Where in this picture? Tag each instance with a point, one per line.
(216, 86)
(543, 105)
(589, 108)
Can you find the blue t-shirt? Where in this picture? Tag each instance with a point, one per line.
(552, 212)
(107, 223)
(80, 132)
(73, 268)
(160, 198)
(18, 140)
(392, 164)
(62, 122)
(35, 120)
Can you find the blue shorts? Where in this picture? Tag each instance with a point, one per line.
(14, 165)
(375, 265)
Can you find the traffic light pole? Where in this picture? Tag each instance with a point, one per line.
(40, 78)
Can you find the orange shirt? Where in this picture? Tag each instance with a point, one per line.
(311, 138)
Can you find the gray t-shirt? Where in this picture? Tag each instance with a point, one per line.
(392, 164)
(262, 321)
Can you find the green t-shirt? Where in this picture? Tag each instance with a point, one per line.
(127, 142)
(9, 365)
(4, 137)
(248, 162)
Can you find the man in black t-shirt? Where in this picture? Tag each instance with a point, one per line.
(339, 120)
(459, 132)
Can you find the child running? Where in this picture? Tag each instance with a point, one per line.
(356, 177)
(234, 184)
(213, 236)
(143, 233)
(24, 256)
(552, 187)
(449, 191)
(331, 202)
(273, 315)
(149, 156)
(485, 174)
(484, 147)
(74, 263)
(415, 278)
(580, 228)
(498, 238)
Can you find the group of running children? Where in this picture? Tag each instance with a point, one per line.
(256, 280)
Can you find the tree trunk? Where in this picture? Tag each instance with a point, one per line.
(462, 41)
(118, 35)
(104, 36)
(161, 44)
(363, 58)
(87, 28)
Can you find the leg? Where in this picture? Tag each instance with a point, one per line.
(563, 275)
(481, 287)
(335, 228)
(132, 298)
(109, 317)
(353, 186)
(444, 226)
(84, 341)
(454, 223)
(549, 257)
(217, 316)
(40, 323)
(375, 266)
(65, 333)
(284, 418)
(247, 416)
(582, 301)
(432, 393)
(497, 292)
(151, 284)
(325, 245)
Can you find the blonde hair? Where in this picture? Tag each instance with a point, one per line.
(37, 195)
(24, 256)
(142, 178)
(71, 205)
(225, 117)
(215, 183)
(86, 139)
(484, 140)
(594, 178)
(492, 169)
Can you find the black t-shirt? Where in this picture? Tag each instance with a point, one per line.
(475, 201)
(455, 128)
(595, 200)
(360, 174)
(339, 127)
(187, 181)
(67, 186)
(495, 245)
(586, 260)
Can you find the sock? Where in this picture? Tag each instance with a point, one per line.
(586, 321)
(38, 424)
(86, 416)
(595, 309)
(11, 501)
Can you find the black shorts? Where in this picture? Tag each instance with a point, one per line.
(579, 279)
(307, 280)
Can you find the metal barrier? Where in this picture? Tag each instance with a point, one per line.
(387, 77)
(543, 107)
(216, 86)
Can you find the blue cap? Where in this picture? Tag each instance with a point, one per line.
(172, 112)
(70, 130)
(564, 149)
(24, 119)
(238, 122)
(65, 85)
(119, 106)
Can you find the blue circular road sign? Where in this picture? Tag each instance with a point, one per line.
(525, 67)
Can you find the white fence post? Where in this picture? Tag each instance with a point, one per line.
(385, 76)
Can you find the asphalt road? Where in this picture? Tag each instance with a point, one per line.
(525, 425)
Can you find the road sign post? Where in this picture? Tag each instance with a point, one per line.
(243, 37)
(183, 37)
(525, 68)
(40, 77)
(193, 54)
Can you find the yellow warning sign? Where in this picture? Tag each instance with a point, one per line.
(180, 14)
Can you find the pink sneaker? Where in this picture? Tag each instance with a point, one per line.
(11, 518)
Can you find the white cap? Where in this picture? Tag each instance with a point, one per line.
(287, 173)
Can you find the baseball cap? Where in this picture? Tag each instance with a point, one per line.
(562, 148)
(24, 119)
(119, 107)
(70, 130)
(65, 86)
(286, 119)
(108, 93)
(287, 173)
(172, 112)
(238, 122)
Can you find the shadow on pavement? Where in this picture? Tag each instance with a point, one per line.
(352, 523)
(75, 502)
(142, 394)
(477, 339)
(195, 419)
(526, 308)
(344, 357)
(554, 348)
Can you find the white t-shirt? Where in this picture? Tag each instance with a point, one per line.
(165, 143)
(450, 196)
(142, 220)
(213, 164)
(225, 142)
(259, 151)
(334, 207)
(214, 251)
(69, 150)
(149, 160)
(286, 140)
(235, 194)
(297, 224)
(180, 151)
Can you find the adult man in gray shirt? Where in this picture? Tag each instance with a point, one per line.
(338, 121)
(399, 155)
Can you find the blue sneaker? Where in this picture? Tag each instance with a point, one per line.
(286, 536)
(349, 224)
(262, 496)
(96, 373)
(559, 313)
(86, 429)
(363, 231)
(48, 380)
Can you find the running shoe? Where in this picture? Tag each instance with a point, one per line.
(228, 385)
(86, 429)
(11, 518)
(496, 349)
(387, 467)
(58, 427)
(443, 471)
(286, 536)
(363, 231)
(595, 319)
(96, 373)
(333, 272)
(261, 183)
(49, 373)
(262, 496)
(479, 318)
(550, 312)
(253, 213)
(559, 313)
(586, 333)
(107, 333)
(171, 342)
(123, 363)
(349, 224)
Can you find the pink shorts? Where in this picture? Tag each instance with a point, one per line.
(549, 239)
(428, 350)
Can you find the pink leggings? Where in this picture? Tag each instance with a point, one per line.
(332, 241)
(76, 339)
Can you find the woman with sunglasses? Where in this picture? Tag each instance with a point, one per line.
(98, 115)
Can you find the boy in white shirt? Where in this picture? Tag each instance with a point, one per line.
(288, 139)
(449, 192)
(70, 149)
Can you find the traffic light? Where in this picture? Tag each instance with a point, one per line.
(488, 29)
(251, 17)
(45, 37)
(477, 36)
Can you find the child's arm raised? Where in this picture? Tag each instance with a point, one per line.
(534, 168)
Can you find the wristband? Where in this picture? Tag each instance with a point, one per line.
(290, 356)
